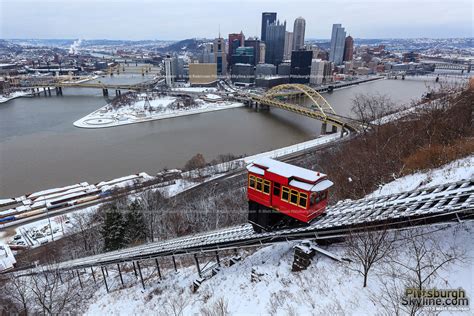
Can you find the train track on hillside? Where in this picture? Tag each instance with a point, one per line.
(438, 204)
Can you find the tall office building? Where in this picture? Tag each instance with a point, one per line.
(207, 54)
(255, 44)
(288, 45)
(267, 18)
(298, 33)
(275, 42)
(348, 48)
(235, 40)
(301, 66)
(220, 56)
(168, 71)
(321, 71)
(338, 38)
(262, 49)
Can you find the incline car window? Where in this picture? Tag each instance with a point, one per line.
(266, 187)
(252, 181)
(303, 200)
(294, 197)
(285, 194)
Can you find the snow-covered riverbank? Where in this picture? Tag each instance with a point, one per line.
(14, 95)
(143, 111)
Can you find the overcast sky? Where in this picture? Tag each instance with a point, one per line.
(180, 19)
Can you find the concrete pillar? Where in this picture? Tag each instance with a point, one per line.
(334, 129)
(44, 91)
(342, 131)
(49, 91)
(323, 128)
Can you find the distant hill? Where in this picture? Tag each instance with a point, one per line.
(191, 44)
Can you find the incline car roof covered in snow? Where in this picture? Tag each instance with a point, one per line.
(310, 180)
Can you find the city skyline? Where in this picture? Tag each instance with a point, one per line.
(146, 20)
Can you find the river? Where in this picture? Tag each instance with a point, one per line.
(41, 149)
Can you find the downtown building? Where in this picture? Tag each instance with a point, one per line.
(220, 56)
(321, 72)
(288, 45)
(235, 40)
(267, 18)
(298, 33)
(255, 44)
(275, 42)
(348, 48)
(300, 70)
(338, 37)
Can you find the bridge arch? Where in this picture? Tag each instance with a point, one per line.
(318, 101)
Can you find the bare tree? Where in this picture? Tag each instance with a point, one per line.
(418, 258)
(51, 294)
(367, 248)
(17, 289)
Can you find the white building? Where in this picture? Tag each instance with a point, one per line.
(262, 53)
(169, 71)
(321, 71)
(288, 45)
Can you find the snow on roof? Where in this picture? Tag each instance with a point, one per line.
(287, 170)
(6, 201)
(256, 170)
(320, 186)
(7, 259)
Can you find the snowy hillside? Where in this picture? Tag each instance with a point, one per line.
(325, 288)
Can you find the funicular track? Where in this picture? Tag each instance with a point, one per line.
(443, 203)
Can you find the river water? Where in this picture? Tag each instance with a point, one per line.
(41, 149)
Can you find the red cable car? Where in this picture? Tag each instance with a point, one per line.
(280, 193)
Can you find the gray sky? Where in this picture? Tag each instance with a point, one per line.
(180, 19)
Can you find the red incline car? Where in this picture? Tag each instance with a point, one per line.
(279, 193)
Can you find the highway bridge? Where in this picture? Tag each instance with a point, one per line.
(304, 100)
(58, 86)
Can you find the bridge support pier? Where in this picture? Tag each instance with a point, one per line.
(59, 90)
(105, 92)
(334, 129)
(49, 91)
(197, 265)
(342, 131)
(44, 91)
(118, 93)
(323, 128)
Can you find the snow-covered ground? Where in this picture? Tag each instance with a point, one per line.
(13, 95)
(157, 109)
(325, 288)
(457, 170)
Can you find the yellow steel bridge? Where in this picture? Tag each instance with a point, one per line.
(304, 100)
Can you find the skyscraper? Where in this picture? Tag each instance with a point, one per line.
(262, 49)
(267, 18)
(298, 33)
(255, 44)
(348, 48)
(235, 40)
(220, 56)
(300, 66)
(288, 45)
(338, 38)
(275, 43)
